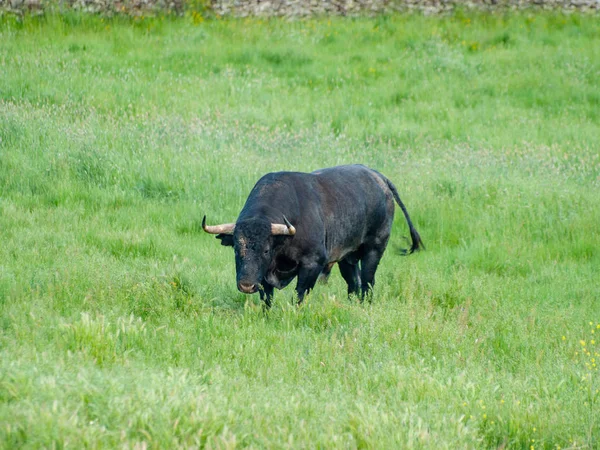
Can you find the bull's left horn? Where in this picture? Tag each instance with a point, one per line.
(279, 229)
(226, 228)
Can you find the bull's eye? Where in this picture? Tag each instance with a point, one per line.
(266, 252)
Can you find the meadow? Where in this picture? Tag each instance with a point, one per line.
(120, 322)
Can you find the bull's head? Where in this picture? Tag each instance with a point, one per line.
(253, 242)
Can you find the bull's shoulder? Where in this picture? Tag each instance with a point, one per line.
(277, 187)
(348, 170)
(283, 176)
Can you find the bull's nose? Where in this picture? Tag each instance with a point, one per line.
(247, 288)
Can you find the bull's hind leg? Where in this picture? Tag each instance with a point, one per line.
(368, 267)
(351, 275)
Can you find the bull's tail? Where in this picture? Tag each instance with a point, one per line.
(417, 244)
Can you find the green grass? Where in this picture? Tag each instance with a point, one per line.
(120, 323)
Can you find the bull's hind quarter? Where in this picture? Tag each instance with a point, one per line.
(298, 224)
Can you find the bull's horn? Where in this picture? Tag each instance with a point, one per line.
(226, 228)
(287, 229)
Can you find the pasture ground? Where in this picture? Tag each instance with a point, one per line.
(120, 323)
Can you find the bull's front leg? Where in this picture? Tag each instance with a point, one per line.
(266, 293)
(307, 278)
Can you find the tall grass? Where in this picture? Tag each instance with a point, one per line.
(120, 323)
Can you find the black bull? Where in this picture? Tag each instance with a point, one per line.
(301, 224)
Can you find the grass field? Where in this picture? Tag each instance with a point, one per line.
(120, 322)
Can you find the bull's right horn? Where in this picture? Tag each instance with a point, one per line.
(280, 229)
(226, 228)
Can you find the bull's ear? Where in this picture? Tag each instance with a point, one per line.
(226, 239)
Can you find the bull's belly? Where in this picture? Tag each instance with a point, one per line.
(350, 248)
(339, 253)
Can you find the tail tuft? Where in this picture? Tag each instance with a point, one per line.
(417, 243)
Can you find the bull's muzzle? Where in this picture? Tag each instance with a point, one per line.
(247, 288)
